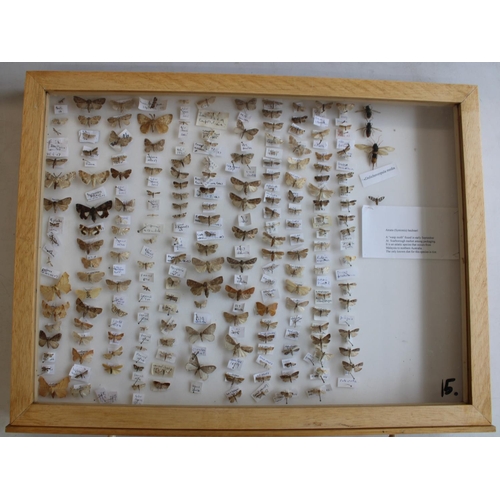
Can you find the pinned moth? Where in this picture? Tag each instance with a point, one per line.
(293, 287)
(153, 124)
(242, 235)
(89, 104)
(56, 205)
(205, 103)
(347, 335)
(297, 148)
(248, 134)
(241, 264)
(202, 371)
(116, 174)
(272, 254)
(117, 142)
(182, 162)
(298, 254)
(263, 310)
(245, 159)
(206, 287)
(246, 187)
(346, 288)
(234, 379)
(238, 350)
(244, 203)
(56, 312)
(320, 192)
(250, 105)
(59, 180)
(50, 342)
(273, 240)
(207, 334)
(236, 319)
(289, 377)
(59, 389)
(207, 249)
(376, 200)
(100, 211)
(62, 286)
(348, 303)
(296, 304)
(238, 295)
(208, 266)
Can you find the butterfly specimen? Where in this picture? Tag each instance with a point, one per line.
(81, 356)
(296, 288)
(289, 377)
(242, 235)
(87, 310)
(81, 390)
(294, 270)
(236, 319)
(118, 286)
(296, 305)
(89, 104)
(297, 148)
(119, 121)
(202, 371)
(238, 295)
(117, 311)
(59, 180)
(51, 342)
(248, 134)
(244, 203)
(62, 286)
(263, 310)
(272, 254)
(347, 287)
(89, 121)
(59, 389)
(153, 124)
(207, 266)
(298, 254)
(112, 369)
(56, 312)
(55, 162)
(320, 107)
(115, 353)
(245, 159)
(115, 337)
(376, 200)
(205, 334)
(94, 179)
(269, 113)
(207, 249)
(238, 350)
(205, 287)
(297, 164)
(273, 240)
(374, 150)
(183, 162)
(93, 277)
(241, 264)
(88, 247)
(56, 205)
(91, 263)
(100, 211)
(246, 187)
(125, 206)
(119, 256)
(121, 175)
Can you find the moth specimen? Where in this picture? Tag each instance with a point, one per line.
(241, 264)
(59, 180)
(345, 177)
(376, 200)
(245, 159)
(294, 270)
(236, 319)
(118, 286)
(271, 176)
(238, 350)
(122, 105)
(206, 287)
(117, 311)
(248, 134)
(347, 335)
(270, 113)
(348, 303)
(121, 175)
(182, 163)
(160, 386)
(246, 187)
(89, 246)
(81, 356)
(242, 235)
(153, 124)
(81, 390)
(374, 150)
(184, 185)
(238, 295)
(347, 287)
(62, 286)
(56, 312)
(348, 231)
(320, 107)
(298, 254)
(297, 148)
(296, 288)
(207, 266)
(112, 369)
(113, 353)
(200, 304)
(51, 342)
(320, 192)
(202, 371)
(59, 389)
(350, 353)
(272, 254)
(119, 121)
(91, 263)
(115, 337)
(87, 310)
(207, 249)
(55, 162)
(344, 108)
(289, 377)
(100, 211)
(351, 367)
(153, 146)
(251, 104)
(273, 140)
(244, 203)
(296, 304)
(347, 204)
(208, 219)
(153, 170)
(167, 326)
(56, 205)
(263, 310)
(125, 206)
(273, 240)
(93, 277)
(234, 379)
(205, 103)
(119, 256)
(89, 104)
(270, 213)
(178, 174)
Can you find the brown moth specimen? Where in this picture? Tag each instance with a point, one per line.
(94, 179)
(56, 205)
(322, 168)
(112, 369)
(320, 107)
(168, 342)
(55, 162)
(248, 134)
(121, 175)
(122, 105)
(347, 204)
(350, 353)
(208, 219)
(206, 287)
(153, 170)
(297, 148)
(117, 311)
(119, 256)
(266, 337)
(91, 230)
(294, 197)
(118, 286)
(242, 235)
(91, 246)
(167, 325)
(294, 270)
(263, 310)
(273, 240)
(81, 357)
(271, 176)
(58, 121)
(204, 334)
(207, 249)
(56, 312)
(207, 266)
(345, 219)
(91, 153)
(59, 180)
(183, 162)
(205, 103)
(119, 121)
(100, 211)
(298, 254)
(244, 203)
(241, 264)
(87, 310)
(153, 124)
(272, 254)
(178, 174)
(289, 377)
(344, 108)
(82, 339)
(59, 389)
(321, 340)
(246, 187)
(160, 386)
(120, 231)
(51, 342)
(234, 379)
(350, 367)
(89, 104)
(91, 263)
(238, 295)
(348, 231)
(62, 286)
(293, 181)
(290, 350)
(115, 337)
(236, 319)
(153, 146)
(347, 287)
(93, 277)
(271, 214)
(82, 325)
(251, 104)
(202, 371)
(270, 113)
(238, 350)
(296, 304)
(89, 121)
(376, 200)
(115, 353)
(320, 312)
(320, 193)
(268, 324)
(245, 158)
(125, 206)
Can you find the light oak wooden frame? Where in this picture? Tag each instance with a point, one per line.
(473, 415)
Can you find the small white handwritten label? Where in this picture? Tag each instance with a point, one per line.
(119, 269)
(120, 190)
(46, 271)
(235, 364)
(146, 277)
(324, 281)
(150, 159)
(345, 274)
(263, 361)
(274, 153)
(116, 323)
(237, 331)
(177, 271)
(241, 279)
(202, 318)
(119, 242)
(147, 252)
